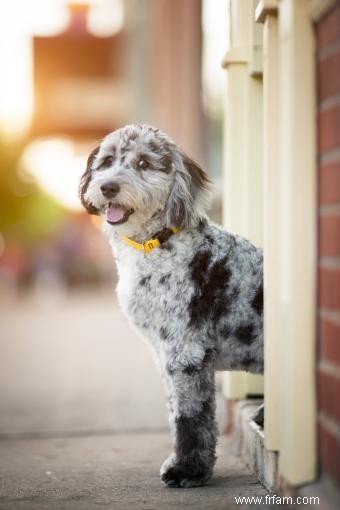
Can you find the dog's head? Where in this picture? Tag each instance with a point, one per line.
(138, 173)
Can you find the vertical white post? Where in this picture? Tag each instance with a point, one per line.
(243, 150)
(297, 262)
(271, 171)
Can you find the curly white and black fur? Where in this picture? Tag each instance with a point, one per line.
(197, 299)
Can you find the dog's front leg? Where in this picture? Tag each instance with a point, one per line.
(191, 393)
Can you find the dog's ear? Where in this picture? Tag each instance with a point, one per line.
(189, 195)
(200, 183)
(85, 181)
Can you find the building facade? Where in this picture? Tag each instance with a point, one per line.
(282, 185)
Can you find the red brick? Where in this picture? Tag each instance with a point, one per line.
(328, 28)
(329, 183)
(329, 288)
(328, 395)
(329, 452)
(329, 236)
(330, 340)
(329, 76)
(329, 129)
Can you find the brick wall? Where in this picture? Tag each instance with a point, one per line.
(328, 70)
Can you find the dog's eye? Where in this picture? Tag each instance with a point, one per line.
(142, 164)
(106, 162)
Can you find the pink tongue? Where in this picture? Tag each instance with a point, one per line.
(114, 214)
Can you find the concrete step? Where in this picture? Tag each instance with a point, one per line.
(249, 441)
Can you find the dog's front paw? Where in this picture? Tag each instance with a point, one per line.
(184, 475)
(169, 462)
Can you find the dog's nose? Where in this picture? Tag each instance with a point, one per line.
(110, 189)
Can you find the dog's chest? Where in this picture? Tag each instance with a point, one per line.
(151, 295)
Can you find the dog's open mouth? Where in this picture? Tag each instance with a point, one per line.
(117, 214)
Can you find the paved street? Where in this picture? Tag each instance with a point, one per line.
(82, 414)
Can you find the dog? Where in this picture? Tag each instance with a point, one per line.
(194, 290)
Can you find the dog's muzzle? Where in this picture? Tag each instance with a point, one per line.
(110, 189)
(115, 213)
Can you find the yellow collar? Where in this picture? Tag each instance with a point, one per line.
(148, 245)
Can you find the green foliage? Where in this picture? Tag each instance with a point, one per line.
(26, 212)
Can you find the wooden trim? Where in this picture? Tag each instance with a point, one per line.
(237, 55)
(265, 8)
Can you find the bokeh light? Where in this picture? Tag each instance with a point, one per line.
(57, 167)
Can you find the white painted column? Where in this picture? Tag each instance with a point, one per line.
(243, 196)
(297, 228)
(289, 235)
(266, 13)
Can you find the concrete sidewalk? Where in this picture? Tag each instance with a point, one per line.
(83, 421)
(71, 362)
(118, 471)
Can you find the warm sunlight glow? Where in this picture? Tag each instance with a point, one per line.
(16, 95)
(105, 17)
(50, 17)
(38, 17)
(19, 21)
(57, 166)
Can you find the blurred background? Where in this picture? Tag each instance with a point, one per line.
(71, 73)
